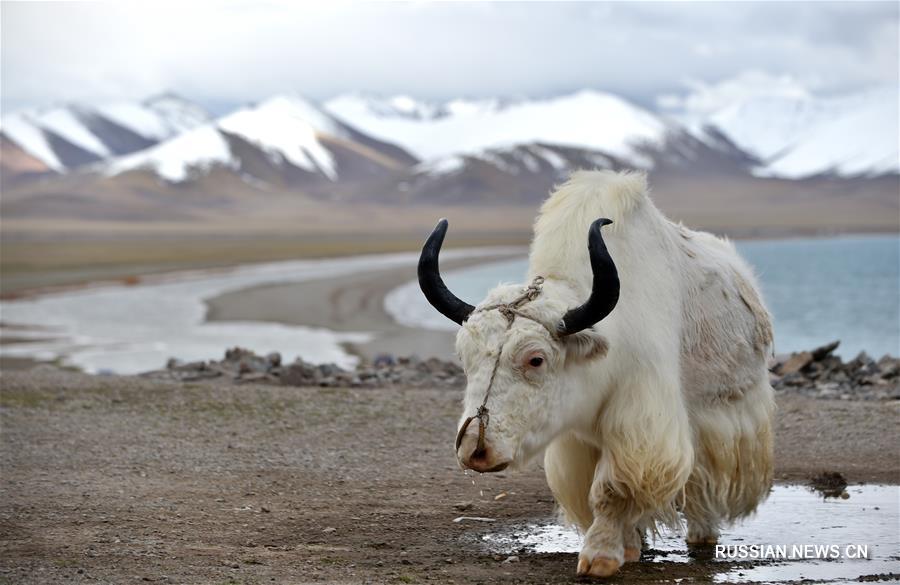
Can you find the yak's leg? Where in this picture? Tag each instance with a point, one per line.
(701, 507)
(632, 542)
(604, 543)
(702, 530)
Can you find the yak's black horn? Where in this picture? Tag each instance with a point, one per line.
(431, 283)
(605, 290)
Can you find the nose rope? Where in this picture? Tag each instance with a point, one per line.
(509, 310)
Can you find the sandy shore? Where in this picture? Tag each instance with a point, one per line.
(348, 303)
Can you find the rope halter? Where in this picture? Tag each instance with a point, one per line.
(509, 310)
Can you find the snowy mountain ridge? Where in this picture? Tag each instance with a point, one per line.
(287, 130)
(588, 119)
(800, 136)
(68, 136)
(790, 137)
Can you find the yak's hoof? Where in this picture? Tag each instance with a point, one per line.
(599, 567)
(632, 554)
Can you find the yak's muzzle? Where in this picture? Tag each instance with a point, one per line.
(478, 455)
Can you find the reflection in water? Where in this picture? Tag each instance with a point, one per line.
(793, 515)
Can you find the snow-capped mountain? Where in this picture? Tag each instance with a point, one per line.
(587, 119)
(525, 173)
(466, 150)
(197, 150)
(68, 136)
(796, 137)
(285, 135)
(159, 117)
(513, 151)
(166, 158)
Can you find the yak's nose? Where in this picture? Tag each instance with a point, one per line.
(482, 458)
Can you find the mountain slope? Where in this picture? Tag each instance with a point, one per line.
(796, 137)
(587, 119)
(55, 152)
(174, 160)
(17, 165)
(157, 118)
(287, 151)
(69, 136)
(285, 140)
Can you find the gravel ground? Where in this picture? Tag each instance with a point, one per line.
(121, 480)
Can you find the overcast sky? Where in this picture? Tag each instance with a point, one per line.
(223, 54)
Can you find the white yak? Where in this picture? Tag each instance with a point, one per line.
(636, 363)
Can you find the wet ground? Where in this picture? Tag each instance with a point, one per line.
(126, 480)
(851, 538)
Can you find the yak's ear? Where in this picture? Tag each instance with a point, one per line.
(584, 346)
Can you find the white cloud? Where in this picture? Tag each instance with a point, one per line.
(234, 52)
(704, 98)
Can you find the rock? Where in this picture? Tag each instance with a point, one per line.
(384, 360)
(473, 519)
(815, 374)
(329, 530)
(328, 370)
(821, 353)
(299, 373)
(830, 484)
(795, 363)
(794, 379)
(511, 559)
(236, 354)
(889, 367)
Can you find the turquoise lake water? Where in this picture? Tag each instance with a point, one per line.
(818, 289)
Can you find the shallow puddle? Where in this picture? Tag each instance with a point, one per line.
(868, 522)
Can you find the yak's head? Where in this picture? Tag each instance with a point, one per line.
(520, 349)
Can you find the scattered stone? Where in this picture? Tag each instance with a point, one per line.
(511, 559)
(473, 519)
(830, 484)
(384, 360)
(820, 353)
(463, 506)
(329, 529)
(241, 365)
(820, 374)
(501, 495)
(816, 374)
(794, 364)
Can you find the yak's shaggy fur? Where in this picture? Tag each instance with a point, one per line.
(665, 405)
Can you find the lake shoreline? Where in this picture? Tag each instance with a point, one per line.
(348, 306)
(350, 303)
(131, 269)
(341, 309)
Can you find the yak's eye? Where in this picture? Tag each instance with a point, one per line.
(536, 362)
